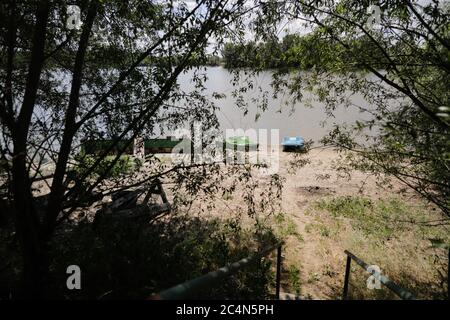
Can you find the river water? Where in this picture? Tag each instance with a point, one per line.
(302, 120)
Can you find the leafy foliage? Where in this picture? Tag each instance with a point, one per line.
(115, 78)
(403, 76)
(125, 164)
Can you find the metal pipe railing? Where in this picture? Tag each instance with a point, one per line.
(399, 291)
(190, 287)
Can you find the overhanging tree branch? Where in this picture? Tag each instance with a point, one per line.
(57, 189)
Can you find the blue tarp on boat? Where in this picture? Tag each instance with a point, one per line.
(293, 143)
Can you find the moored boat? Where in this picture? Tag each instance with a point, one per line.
(240, 143)
(293, 143)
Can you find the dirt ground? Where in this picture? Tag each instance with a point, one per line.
(313, 257)
(301, 189)
(319, 260)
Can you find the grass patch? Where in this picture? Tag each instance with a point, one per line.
(125, 164)
(386, 232)
(227, 196)
(285, 227)
(313, 277)
(382, 219)
(294, 279)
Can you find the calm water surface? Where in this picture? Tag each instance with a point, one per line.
(304, 121)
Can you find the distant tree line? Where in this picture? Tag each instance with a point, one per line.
(294, 51)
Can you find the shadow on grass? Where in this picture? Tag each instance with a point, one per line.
(135, 259)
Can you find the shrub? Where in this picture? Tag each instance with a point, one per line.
(124, 165)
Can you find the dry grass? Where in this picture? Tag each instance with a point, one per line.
(323, 217)
(386, 232)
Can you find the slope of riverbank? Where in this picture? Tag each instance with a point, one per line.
(328, 212)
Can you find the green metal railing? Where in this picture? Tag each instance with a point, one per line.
(207, 281)
(399, 291)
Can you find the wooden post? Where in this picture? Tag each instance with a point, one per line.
(347, 277)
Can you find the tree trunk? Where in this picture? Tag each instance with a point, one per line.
(26, 220)
(27, 227)
(57, 188)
